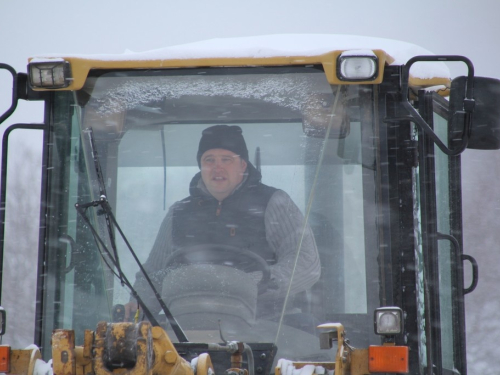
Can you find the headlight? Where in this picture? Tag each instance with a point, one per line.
(357, 66)
(52, 74)
(388, 321)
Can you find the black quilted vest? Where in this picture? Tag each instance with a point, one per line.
(236, 221)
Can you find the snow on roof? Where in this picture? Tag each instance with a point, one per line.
(286, 45)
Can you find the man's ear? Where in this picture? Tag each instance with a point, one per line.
(245, 164)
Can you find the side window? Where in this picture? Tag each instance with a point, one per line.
(446, 251)
(440, 275)
(21, 231)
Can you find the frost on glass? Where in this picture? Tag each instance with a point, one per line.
(419, 259)
(289, 92)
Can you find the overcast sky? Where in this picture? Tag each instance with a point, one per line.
(108, 26)
(30, 28)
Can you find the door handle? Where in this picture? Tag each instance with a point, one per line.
(475, 273)
(463, 257)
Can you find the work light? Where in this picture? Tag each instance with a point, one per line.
(388, 321)
(54, 73)
(357, 66)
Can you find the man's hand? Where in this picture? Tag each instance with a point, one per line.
(130, 311)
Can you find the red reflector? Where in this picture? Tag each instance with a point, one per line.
(388, 359)
(4, 358)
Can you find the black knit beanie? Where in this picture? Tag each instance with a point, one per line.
(225, 137)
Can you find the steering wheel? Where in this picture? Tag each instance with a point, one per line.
(230, 256)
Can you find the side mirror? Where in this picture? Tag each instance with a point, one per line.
(484, 132)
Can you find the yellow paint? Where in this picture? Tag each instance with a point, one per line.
(80, 67)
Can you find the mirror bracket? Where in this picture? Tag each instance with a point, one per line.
(414, 116)
(13, 104)
(469, 105)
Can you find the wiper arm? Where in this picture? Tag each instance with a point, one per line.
(102, 192)
(81, 209)
(103, 203)
(108, 214)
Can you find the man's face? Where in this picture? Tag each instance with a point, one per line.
(221, 171)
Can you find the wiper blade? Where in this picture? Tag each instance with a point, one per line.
(110, 219)
(102, 192)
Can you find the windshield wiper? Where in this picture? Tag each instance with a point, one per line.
(110, 219)
(102, 193)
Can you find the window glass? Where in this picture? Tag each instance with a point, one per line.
(20, 252)
(443, 282)
(419, 259)
(134, 138)
(446, 251)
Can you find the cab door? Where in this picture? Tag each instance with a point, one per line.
(438, 195)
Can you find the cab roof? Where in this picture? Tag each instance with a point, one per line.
(266, 50)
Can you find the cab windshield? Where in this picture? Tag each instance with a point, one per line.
(131, 139)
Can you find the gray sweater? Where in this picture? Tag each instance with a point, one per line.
(287, 234)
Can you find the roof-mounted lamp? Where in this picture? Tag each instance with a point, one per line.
(357, 65)
(53, 73)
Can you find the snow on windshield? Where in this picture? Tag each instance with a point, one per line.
(289, 91)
